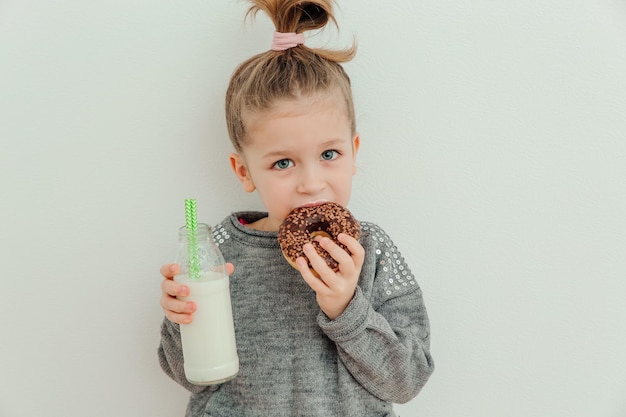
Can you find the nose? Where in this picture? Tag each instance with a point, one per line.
(311, 180)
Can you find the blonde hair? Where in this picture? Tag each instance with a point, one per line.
(260, 81)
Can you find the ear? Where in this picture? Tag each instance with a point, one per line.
(356, 143)
(238, 166)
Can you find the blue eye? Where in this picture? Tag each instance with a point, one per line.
(283, 164)
(329, 155)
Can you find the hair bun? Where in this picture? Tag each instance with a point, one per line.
(312, 16)
(295, 15)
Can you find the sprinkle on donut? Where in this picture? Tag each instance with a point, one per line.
(304, 223)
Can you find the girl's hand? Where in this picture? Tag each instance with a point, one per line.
(175, 310)
(334, 290)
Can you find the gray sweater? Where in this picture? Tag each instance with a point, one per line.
(295, 361)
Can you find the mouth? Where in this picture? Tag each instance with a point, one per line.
(314, 203)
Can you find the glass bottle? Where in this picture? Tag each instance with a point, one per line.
(209, 346)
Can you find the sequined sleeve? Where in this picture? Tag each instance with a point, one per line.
(383, 337)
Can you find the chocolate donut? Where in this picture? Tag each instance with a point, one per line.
(304, 223)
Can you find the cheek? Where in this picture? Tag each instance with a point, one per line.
(273, 191)
(346, 189)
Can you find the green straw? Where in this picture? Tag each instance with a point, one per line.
(191, 223)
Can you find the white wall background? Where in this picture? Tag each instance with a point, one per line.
(493, 153)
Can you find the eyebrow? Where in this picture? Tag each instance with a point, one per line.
(274, 155)
(281, 153)
(332, 142)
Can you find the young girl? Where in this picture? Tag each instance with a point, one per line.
(349, 343)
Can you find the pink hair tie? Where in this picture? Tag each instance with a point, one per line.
(283, 41)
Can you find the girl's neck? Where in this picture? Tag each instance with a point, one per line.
(263, 225)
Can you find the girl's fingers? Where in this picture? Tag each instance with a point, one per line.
(177, 311)
(228, 268)
(314, 282)
(342, 257)
(174, 288)
(317, 262)
(349, 261)
(179, 318)
(355, 248)
(169, 270)
(171, 303)
(335, 251)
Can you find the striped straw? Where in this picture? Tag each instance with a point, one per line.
(191, 223)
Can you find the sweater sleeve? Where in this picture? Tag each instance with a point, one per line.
(383, 336)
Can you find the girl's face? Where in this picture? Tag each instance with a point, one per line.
(301, 152)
